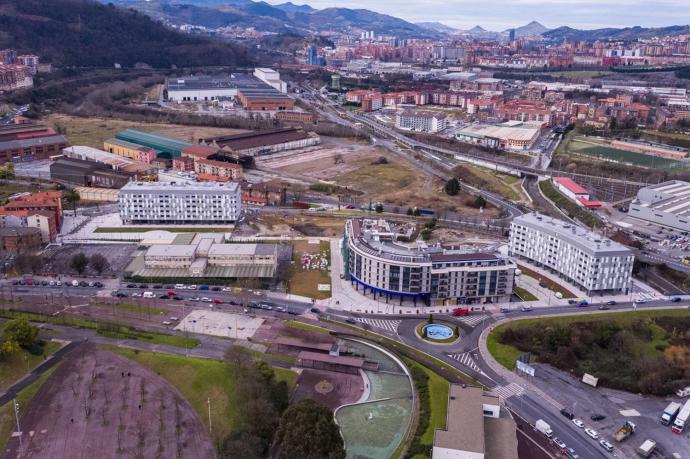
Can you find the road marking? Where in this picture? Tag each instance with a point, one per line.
(511, 390)
(390, 325)
(474, 319)
(466, 359)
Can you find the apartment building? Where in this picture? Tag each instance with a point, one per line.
(225, 169)
(592, 262)
(180, 203)
(418, 120)
(434, 275)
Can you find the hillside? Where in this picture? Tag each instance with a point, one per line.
(89, 34)
(564, 33)
(286, 17)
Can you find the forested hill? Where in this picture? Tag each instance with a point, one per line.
(87, 33)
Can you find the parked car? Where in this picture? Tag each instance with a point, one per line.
(597, 417)
(203, 287)
(121, 295)
(191, 287)
(83, 284)
(604, 307)
(179, 286)
(315, 310)
(98, 284)
(567, 413)
(611, 303)
(171, 292)
(136, 294)
(215, 289)
(131, 286)
(143, 286)
(572, 454)
(526, 308)
(578, 423)
(164, 297)
(158, 286)
(676, 299)
(206, 299)
(592, 433)
(559, 442)
(195, 298)
(217, 301)
(178, 298)
(461, 312)
(606, 445)
(44, 283)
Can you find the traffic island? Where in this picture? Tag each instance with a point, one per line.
(437, 332)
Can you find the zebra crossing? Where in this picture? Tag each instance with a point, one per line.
(511, 390)
(389, 325)
(466, 359)
(473, 319)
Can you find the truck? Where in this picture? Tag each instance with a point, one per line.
(681, 418)
(670, 413)
(423, 211)
(544, 428)
(625, 431)
(646, 448)
(684, 392)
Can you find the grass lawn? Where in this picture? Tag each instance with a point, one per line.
(172, 229)
(551, 285)
(603, 151)
(303, 326)
(305, 282)
(14, 368)
(438, 399)
(108, 330)
(141, 309)
(524, 294)
(7, 420)
(506, 354)
(201, 379)
(569, 207)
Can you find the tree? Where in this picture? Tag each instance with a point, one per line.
(79, 263)
(99, 263)
(479, 202)
(22, 332)
(452, 187)
(426, 234)
(72, 198)
(8, 347)
(431, 318)
(410, 212)
(307, 430)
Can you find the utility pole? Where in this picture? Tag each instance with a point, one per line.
(16, 416)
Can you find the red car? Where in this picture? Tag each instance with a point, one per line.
(461, 312)
(29, 282)
(171, 293)
(217, 301)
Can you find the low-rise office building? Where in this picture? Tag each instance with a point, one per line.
(419, 120)
(205, 255)
(666, 204)
(435, 275)
(592, 262)
(474, 428)
(180, 203)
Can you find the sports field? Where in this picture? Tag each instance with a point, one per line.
(592, 148)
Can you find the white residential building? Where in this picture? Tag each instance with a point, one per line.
(419, 120)
(180, 203)
(587, 260)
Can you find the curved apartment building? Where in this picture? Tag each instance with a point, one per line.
(434, 275)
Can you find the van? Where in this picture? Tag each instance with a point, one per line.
(149, 295)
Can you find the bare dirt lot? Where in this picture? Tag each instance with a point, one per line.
(327, 387)
(98, 404)
(58, 259)
(374, 174)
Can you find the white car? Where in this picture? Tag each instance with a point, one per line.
(559, 442)
(165, 322)
(206, 299)
(179, 287)
(592, 433)
(191, 287)
(578, 423)
(640, 301)
(136, 294)
(58, 283)
(227, 289)
(195, 298)
(606, 445)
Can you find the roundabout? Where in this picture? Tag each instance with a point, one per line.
(437, 332)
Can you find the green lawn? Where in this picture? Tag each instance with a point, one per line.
(7, 420)
(524, 294)
(172, 229)
(569, 207)
(19, 364)
(504, 354)
(603, 151)
(201, 379)
(303, 326)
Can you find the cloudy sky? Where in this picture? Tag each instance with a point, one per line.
(502, 14)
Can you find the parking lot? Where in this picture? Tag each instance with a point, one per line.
(616, 407)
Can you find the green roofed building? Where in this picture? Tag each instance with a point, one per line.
(168, 146)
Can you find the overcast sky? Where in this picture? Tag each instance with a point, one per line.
(503, 14)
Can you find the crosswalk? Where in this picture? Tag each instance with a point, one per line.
(389, 325)
(466, 359)
(505, 392)
(473, 320)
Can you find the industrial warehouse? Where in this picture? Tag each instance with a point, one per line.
(263, 142)
(511, 135)
(666, 204)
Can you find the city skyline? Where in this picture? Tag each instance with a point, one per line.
(585, 14)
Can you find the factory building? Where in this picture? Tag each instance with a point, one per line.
(666, 204)
(180, 203)
(87, 173)
(511, 135)
(167, 146)
(375, 263)
(592, 262)
(130, 150)
(134, 168)
(575, 192)
(262, 142)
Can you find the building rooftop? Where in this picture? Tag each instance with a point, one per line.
(201, 82)
(15, 231)
(153, 140)
(172, 250)
(671, 197)
(181, 186)
(248, 140)
(200, 151)
(464, 422)
(585, 239)
(501, 131)
(126, 144)
(37, 141)
(242, 249)
(423, 114)
(570, 185)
